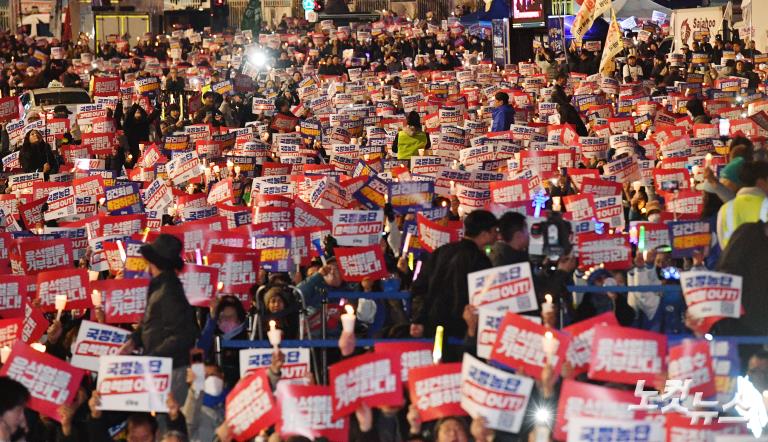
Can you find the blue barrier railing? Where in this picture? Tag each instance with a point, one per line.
(364, 342)
(376, 296)
(624, 288)
(325, 343)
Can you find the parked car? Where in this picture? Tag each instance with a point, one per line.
(37, 100)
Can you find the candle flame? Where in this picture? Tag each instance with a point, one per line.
(548, 298)
(349, 309)
(549, 335)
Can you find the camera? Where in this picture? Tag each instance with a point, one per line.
(551, 238)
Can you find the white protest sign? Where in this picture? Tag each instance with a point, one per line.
(499, 397)
(295, 366)
(712, 294)
(95, 340)
(134, 383)
(504, 288)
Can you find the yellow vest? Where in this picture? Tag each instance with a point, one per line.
(749, 206)
(408, 146)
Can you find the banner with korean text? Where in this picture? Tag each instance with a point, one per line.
(134, 383)
(50, 381)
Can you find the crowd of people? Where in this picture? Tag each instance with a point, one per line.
(216, 145)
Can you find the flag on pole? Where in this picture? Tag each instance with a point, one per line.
(588, 13)
(613, 44)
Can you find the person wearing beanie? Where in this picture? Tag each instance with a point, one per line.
(168, 328)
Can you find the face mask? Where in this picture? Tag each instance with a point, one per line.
(607, 282)
(213, 386)
(654, 218)
(227, 326)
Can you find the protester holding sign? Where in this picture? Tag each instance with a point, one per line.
(441, 286)
(168, 327)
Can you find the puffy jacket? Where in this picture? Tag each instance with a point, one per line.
(503, 117)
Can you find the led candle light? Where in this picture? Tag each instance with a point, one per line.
(220, 286)
(60, 302)
(437, 351)
(96, 298)
(274, 334)
(548, 306)
(38, 347)
(549, 344)
(4, 353)
(348, 319)
(121, 249)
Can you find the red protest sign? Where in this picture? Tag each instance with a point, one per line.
(250, 406)
(237, 271)
(10, 331)
(38, 256)
(611, 250)
(99, 143)
(89, 186)
(50, 381)
(578, 399)
(306, 411)
(411, 354)
(599, 187)
(436, 391)
(432, 235)
(32, 212)
(13, 294)
(221, 192)
(9, 108)
(124, 299)
(626, 355)
(692, 360)
(35, 323)
(106, 86)
(580, 349)
(70, 282)
(370, 378)
(284, 123)
(199, 284)
(525, 345)
(580, 207)
(358, 263)
(680, 429)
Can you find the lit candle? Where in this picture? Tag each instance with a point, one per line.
(274, 334)
(96, 298)
(548, 306)
(4, 353)
(198, 257)
(237, 170)
(205, 260)
(453, 187)
(708, 160)
(38, 346)
(121, 249)
(348, 319)
(549, 344)
(220, 286)
(60, 302)
(437, 350)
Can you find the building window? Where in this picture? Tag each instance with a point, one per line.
(562, 7)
